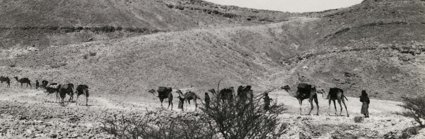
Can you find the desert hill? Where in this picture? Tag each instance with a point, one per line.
(44, 23)
(375, 45)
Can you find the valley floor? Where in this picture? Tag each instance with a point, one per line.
(30, 113)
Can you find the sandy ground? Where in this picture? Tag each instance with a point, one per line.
(383, 119)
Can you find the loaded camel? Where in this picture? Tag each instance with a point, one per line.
(337, 94)
(82, 89)
(189, 95)
(163, 93)
(53, 88)
(23, 81)
(224, 94)
(44, 83)
(244, 93)
(66, 89)
(5, 79)
(307, 91)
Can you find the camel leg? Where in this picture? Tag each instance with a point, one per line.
(340, 112)
(87, 101)
(311, 106)
(329, 108)
(301, 104)
(76, 100)
(343, 102)
(317, 104)
(171, 103)
(161, 102)
(196, 104)
(335, 107)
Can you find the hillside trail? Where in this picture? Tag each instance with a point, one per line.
(383, 118)
(26, 95)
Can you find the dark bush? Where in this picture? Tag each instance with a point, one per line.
(159, 124)
(415, 107)
(92, 53)
(85, 56)
(237, 119)
(241, 119)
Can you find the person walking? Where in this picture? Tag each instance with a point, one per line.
(365, 106)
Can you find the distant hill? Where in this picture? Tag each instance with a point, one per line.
(44, 23)
(377, 45)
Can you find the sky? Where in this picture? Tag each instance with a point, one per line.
(290, 5)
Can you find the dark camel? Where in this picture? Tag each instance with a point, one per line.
(244, 93)
(163, 93)
(337, 94)
(5, 79)
(224, 94)
(44, 83)
(307, 91)
(53, 88)
(24, 81)
(82, 89)
(66, 89)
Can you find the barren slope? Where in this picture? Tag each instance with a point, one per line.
(266, 56)
(43, 23)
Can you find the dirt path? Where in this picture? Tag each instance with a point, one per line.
(377, 107)
(382, 121)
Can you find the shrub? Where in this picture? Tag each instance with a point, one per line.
(157, 125)
(358, 119)
(240, 119)
(92, 53)
(236, 119)
(415, 107)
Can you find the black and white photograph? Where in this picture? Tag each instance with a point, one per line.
(212, 69)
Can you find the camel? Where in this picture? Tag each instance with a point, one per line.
(224, 94)
(337, 94)
(286, 88)
(189, 95)
(24, 81)
(5, 79)
(66, 89)
(44, 83)
(82, 89)
(53, 88)
(163, 93)
(245, 92)
(307, 91)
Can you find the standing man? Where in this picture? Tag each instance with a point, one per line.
(365, 106)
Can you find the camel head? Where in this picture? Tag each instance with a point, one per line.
(16, 77)
(152, 91)
(286, 88)
(179, 92)
(322, 92)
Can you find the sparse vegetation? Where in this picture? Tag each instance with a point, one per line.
(244, 119)
(415, 107)
(160, 124)
(227, 119)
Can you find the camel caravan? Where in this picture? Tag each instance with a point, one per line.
(245, 93)
(60, 90)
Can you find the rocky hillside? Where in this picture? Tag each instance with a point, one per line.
(45, 23)
(375, 45)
